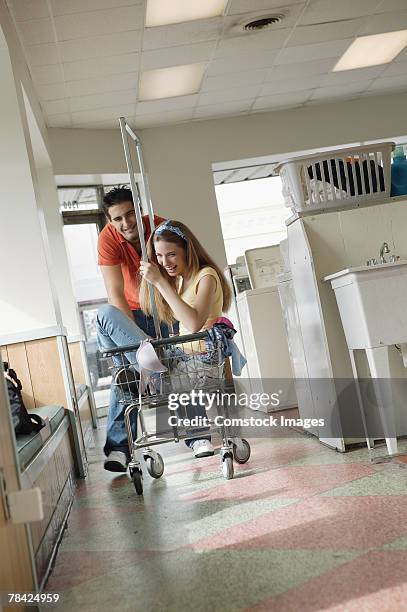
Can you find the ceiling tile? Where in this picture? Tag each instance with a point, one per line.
(82, 25)
(385, 6)
(396, 82)
(325, 50)
(226, 66)
(350, 76)
(395, 69)
(323, 32)
(63, 120)
(99, 85)
(54, 107)
(182, 33)
(177, 56)
(302, 69)
(236, 79)
(228, 108)
(319, 11)
(36, 32)
(65, 7)
(287, 85)
(166, 105)
(43, 55)
(250, 6)
(47, 74)
(251, 43)
(342, 91)
(103, 114)
(100, 46)
(24, 10)
(229, 95)
(94, 101)
(385, 22)
(281, 100)
(107, 124)
(55, 91)
(115, 64)
(157, 119)
(292, 12)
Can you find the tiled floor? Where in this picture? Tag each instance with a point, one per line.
(300, 528)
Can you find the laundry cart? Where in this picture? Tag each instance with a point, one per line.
(157, 373)
(174, 370)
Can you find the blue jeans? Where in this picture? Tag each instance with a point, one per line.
(115, 329)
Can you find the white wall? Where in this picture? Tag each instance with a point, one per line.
(36, 291)
(26, 298)
(178, 158)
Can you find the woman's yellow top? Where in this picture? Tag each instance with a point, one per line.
(190, 293)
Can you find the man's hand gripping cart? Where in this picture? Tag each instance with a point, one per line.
(144, 377)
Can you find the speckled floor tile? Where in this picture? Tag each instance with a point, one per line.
(285, 482)
(373, 582)
(342, 523)
(297, 516)
(380, 483)
(221, 580)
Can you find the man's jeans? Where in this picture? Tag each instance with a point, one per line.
(115, 329)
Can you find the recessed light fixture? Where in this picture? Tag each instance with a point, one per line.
(372, 50)
(165, 12)
(171, 82)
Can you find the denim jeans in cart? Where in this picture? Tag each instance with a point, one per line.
(114, 329)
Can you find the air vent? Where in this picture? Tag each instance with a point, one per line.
(261, 23)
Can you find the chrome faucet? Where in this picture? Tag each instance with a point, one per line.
(384, 249)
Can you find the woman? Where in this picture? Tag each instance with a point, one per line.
(188, 287)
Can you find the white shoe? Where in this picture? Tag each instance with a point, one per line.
(116, 462)
(202, 448)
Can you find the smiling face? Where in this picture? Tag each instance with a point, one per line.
(123, 219)
(171, 257)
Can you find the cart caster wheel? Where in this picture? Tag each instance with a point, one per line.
(241, 455)
(227, 467)
(155, 466)
(137, 477)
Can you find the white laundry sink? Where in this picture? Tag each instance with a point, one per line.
(372, 302)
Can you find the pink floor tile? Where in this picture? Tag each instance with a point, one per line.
(320, 523)
(375, 582)
(290, 482)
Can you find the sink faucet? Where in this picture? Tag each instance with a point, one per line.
(384, 249)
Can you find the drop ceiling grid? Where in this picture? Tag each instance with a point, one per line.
(85, 57)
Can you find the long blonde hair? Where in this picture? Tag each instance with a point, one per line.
(196, 258)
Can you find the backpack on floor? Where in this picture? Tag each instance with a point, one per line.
(24, 422)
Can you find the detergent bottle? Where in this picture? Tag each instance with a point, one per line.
(399, 172)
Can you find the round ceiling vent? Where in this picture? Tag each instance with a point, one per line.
(261, 23)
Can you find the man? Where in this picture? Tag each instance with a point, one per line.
(119, 252)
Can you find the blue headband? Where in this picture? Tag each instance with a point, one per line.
(167, 227)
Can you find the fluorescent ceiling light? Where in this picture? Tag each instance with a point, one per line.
(171, 82)
(165, 12)
(372, 50)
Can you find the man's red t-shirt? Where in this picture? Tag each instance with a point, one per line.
(114, 249)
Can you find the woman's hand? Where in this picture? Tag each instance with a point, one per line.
(150, 272)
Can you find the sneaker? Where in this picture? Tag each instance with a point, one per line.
(202, 448)
(116, 462)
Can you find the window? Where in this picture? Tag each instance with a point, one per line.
(252, 214)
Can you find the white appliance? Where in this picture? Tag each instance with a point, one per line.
(321, 245)
(263, 332)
